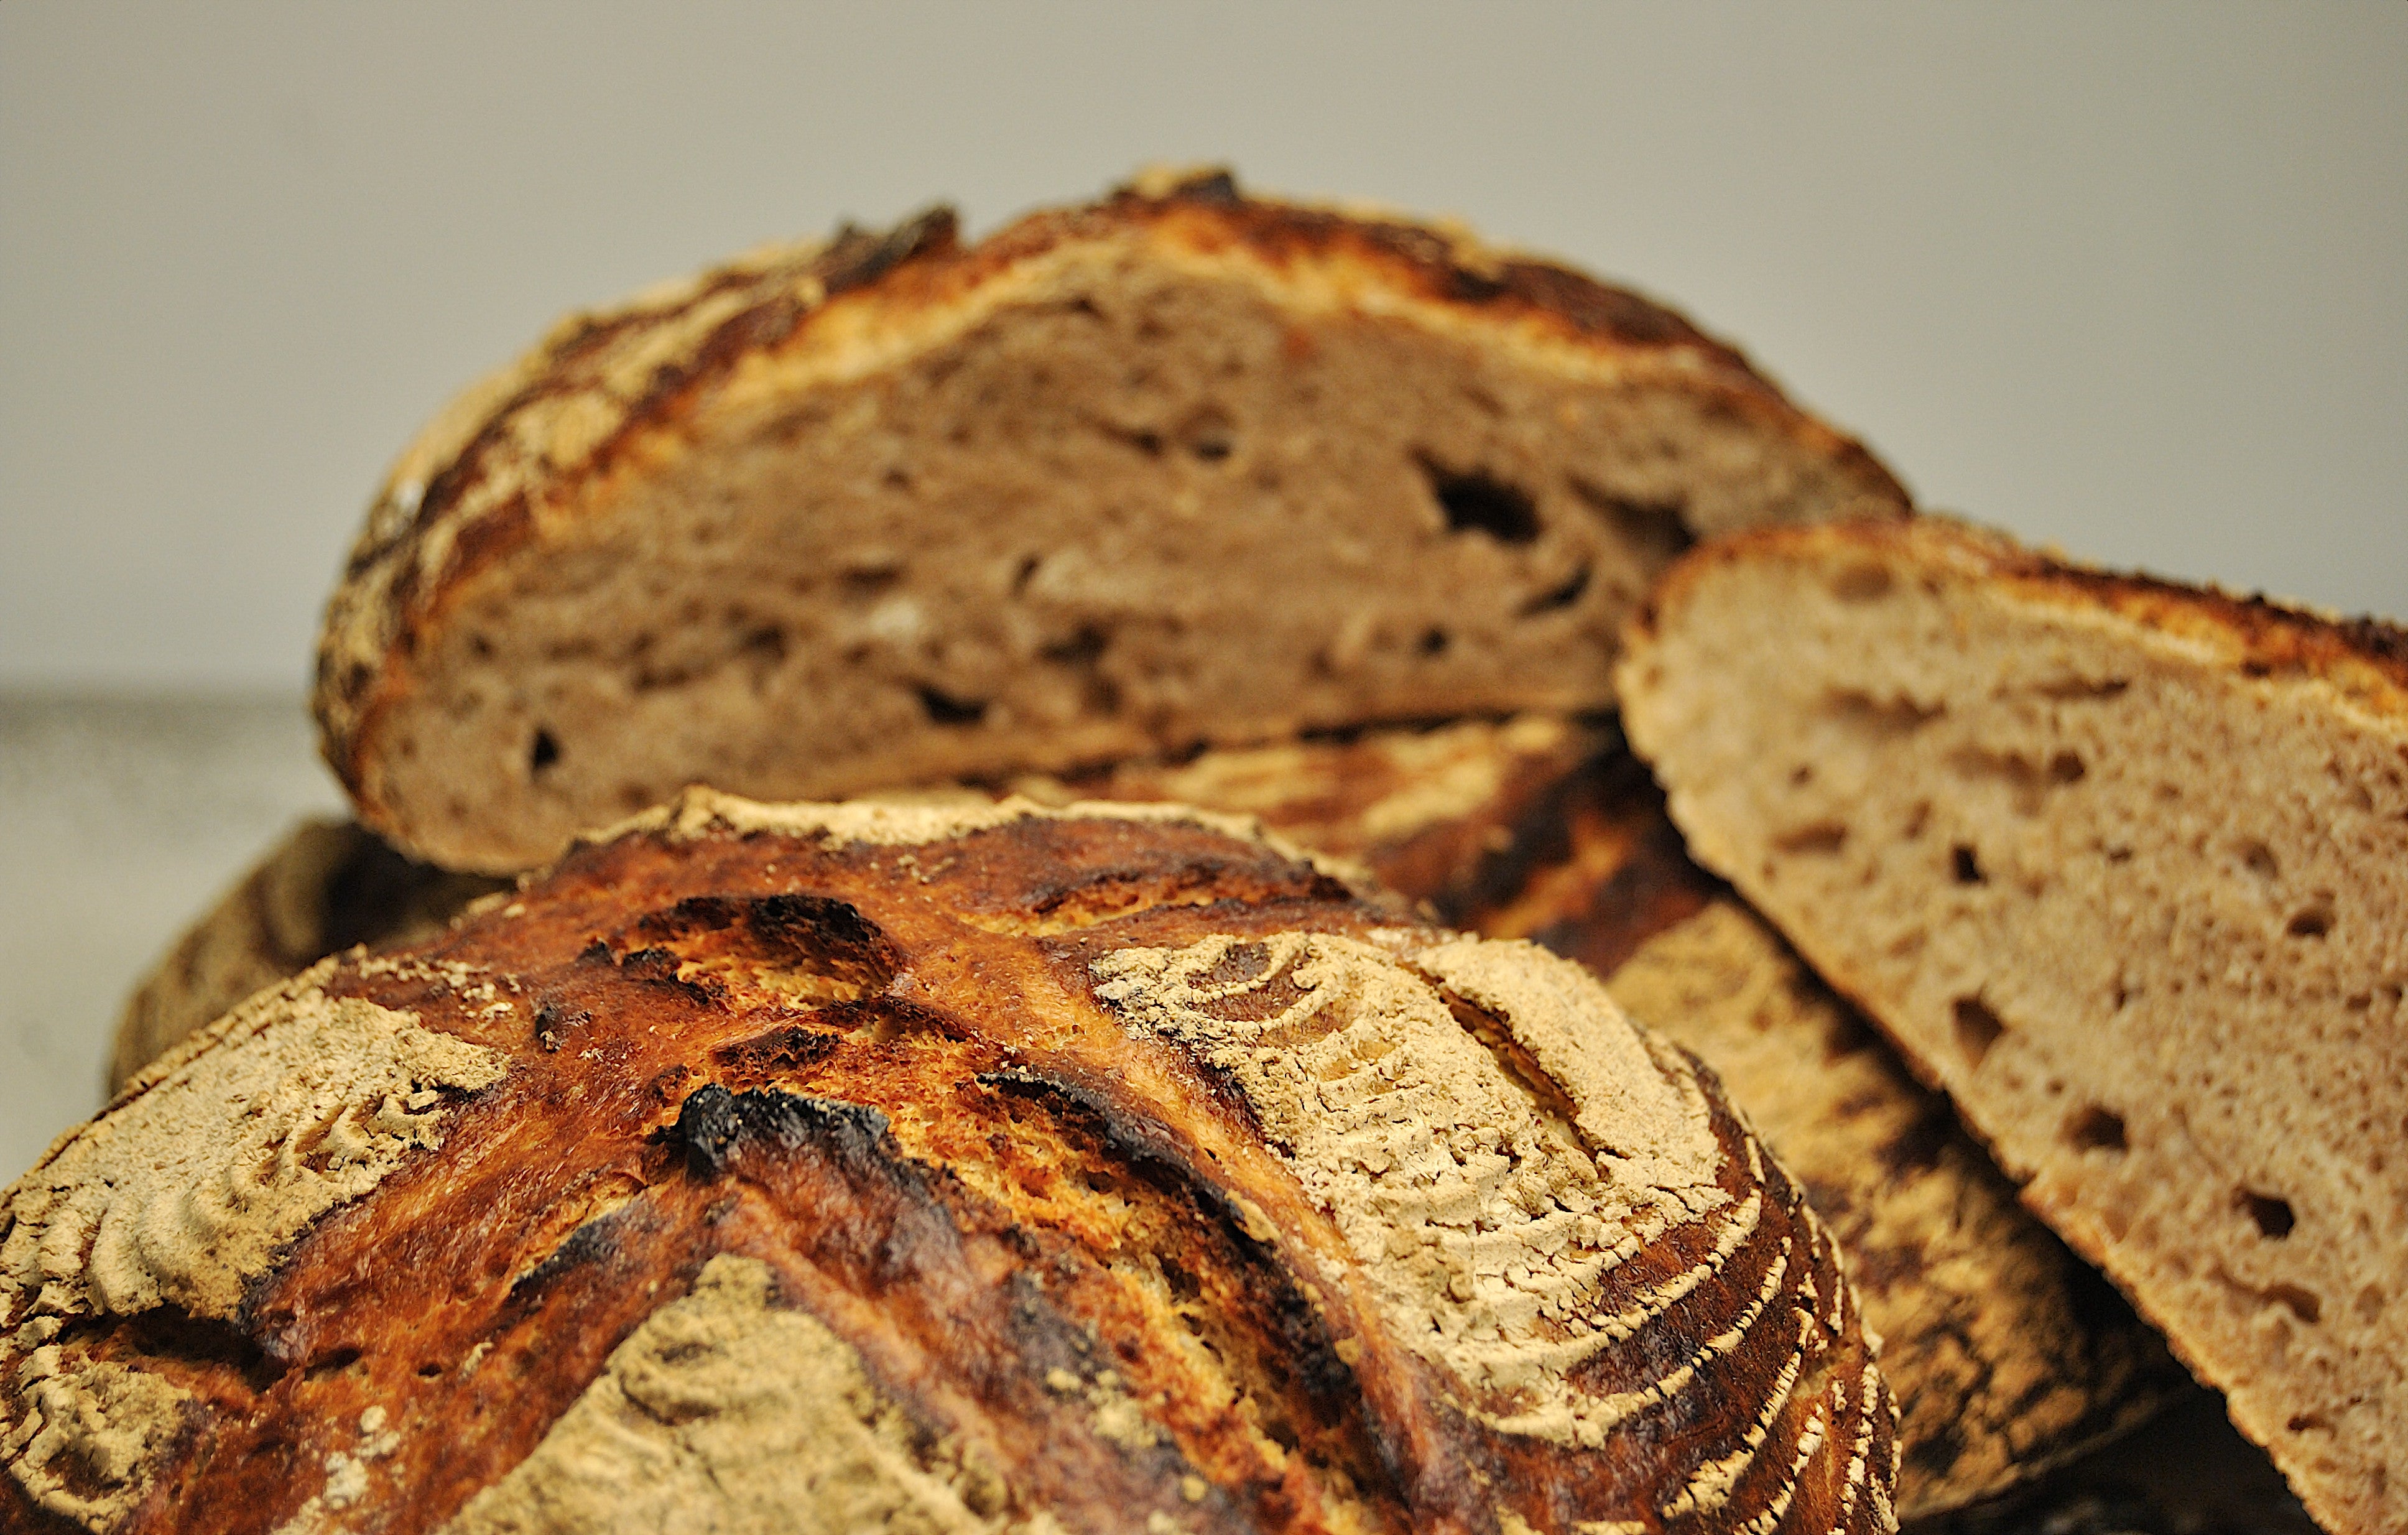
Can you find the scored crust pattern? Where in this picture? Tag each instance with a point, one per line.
(2007, 1353)
(936, 1125)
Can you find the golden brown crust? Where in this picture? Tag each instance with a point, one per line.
(2008, 1354)
(507, 464)
(2365, 658)
(1015, 1112)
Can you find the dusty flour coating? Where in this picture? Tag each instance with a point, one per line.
(1486, 1226)
(185, 1191)
(726, 1412)
(909, 819)
(1636, 1102)
(91, 1431)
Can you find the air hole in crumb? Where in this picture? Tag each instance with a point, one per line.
(942, 707)
(2302, 1423)
(543, 752)
(2095, 1128)
(1964, 865)
(1474, 503)
(1560, 596)
(1432, 642)
(1657, 530)
(1917, 818)
(2310, 921)
(1801, 775)
(1977, 1027)
(2065, 767)
(1023, 572)
(2302, 1304)
(2259, 860)
(1825, 837)
(2274, 1215)
(1861, 584)
(2370, 1302)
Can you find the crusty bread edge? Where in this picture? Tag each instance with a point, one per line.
(2363, 660)
(467, 492)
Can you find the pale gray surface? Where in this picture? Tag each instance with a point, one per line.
(2133, 279)
(120, 819)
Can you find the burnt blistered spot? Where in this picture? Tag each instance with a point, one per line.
(715, 1126)
(554, 1021)
(782, 941)
(781, 1052)
(1594, 307)
(658, 966)
(856, 258)
(595, 1242)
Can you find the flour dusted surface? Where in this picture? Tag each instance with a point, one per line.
(1486, 1225)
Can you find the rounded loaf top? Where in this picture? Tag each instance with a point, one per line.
(854, 1167)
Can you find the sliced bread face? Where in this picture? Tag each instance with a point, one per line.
(2123, 868)
(1177, 468)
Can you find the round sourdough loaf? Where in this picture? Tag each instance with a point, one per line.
(873, 1167)
(1179, 467)
(2007, 1353)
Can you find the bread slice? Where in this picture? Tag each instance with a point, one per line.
(1180, 467)
(837, 1167)
(2123, 866)
(2007, 1355)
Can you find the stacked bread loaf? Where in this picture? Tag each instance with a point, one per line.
(981, 1154)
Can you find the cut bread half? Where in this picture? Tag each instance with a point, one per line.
(2007, 1353)
(2122, 866)
(1180, 467)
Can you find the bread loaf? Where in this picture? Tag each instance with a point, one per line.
(851, 1167)
(1180, 467)
(2007, 1355)
(326, 885)
(2123, 866)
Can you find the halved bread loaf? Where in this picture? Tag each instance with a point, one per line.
(992, 1169)
(2122, 867)
(2007, 1355)
(1180, 467)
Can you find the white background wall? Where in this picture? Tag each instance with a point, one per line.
(2133, 279)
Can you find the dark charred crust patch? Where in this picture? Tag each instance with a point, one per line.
(717, 1127)
(810, 935)
(1589, 306)
(786, 1050)
(596, 1242)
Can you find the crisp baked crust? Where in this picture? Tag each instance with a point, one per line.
(915, 1167)
(751, 358)
(2006, 1352)
(2364, 659)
